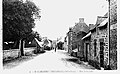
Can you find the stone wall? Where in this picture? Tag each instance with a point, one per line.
(103, 34)
(113, 34)
(14, 53)
(86, 42)
(94, 54)
(113, 49)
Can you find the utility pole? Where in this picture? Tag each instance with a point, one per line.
(109, 35)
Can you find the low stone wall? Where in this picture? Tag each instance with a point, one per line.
(14, 53)
(10, 54)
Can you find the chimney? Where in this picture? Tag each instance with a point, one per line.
(81, 20)
(91, 25)
(70, 28)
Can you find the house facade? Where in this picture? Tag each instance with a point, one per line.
(96, 45)
(86, 46)
(75, 35)
(81, 29)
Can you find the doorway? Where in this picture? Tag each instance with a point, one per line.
(102, 52)
(86, 52)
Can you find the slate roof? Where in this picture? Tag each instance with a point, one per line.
(92, 27)
(103, 23)
(86, 35)
(100, 19)
(81, 27)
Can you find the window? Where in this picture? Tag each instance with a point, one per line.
(95, 47)
(97, 30)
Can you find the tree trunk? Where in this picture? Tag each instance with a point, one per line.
(16, 44)
(21, 47)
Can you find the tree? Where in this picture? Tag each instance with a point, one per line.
(18, 20)
(37, 35)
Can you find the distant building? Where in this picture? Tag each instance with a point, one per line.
(69, 34)
(54, 43)
(65, 44)
(80, 29)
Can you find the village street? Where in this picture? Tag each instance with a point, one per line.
(40, 36)
(49, 61)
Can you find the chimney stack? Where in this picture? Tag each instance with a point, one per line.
(70, 28)
(81, 20)
(91, 25)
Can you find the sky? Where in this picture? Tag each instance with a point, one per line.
(58, 15)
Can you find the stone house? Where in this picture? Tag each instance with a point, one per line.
(96, 43)
(81, 29)
(75, 35)
(101, 54)
(96, 50)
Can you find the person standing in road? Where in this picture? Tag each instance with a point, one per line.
(55, 47)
